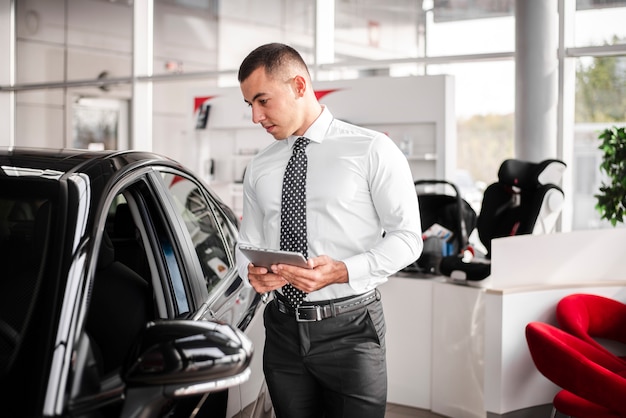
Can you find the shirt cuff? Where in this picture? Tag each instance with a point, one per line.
(359, 275)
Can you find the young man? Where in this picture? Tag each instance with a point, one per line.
(360, 224)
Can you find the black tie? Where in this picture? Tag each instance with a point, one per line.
(293, 212)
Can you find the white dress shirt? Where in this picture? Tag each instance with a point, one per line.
(358, 185)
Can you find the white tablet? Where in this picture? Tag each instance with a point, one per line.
(265, 257)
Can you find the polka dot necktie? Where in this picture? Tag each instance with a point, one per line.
(293, 212)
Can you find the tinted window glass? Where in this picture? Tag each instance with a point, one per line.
(198, 214)
(124, 226)
(176, 277)
(25, 227)
(168, 254)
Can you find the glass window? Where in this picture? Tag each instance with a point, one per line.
(129, 250)
(198, 214)
(176, 277)
(449, 11)
(24, 238)
(101, 47)
(66, 41)
(371, 29)
(28, 208)
(169, 260)
(600, 103)
(292, 22)
(61, 39)
(599, 22)
(586, 179)
(185, 36)
(99, 124)
(485, 104)
(470, 27)
(601, 89)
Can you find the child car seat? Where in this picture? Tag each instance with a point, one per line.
(441, 204)
(524, 200)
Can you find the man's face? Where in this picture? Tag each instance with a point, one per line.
(273, 103)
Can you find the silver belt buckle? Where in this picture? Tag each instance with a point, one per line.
(309, 313)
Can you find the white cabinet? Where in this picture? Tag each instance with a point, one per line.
(407, 303)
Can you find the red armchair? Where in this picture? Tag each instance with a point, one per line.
(590, 317)
(582, 369)
(574, 406)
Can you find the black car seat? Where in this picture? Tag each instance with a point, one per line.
(120, 307)
(525, 200)
(126, 241)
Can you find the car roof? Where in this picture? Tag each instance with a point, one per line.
(75, 160)
(38, 170)
(97, 165)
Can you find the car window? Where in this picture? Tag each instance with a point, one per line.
(131, 248)
(205, 229)
(176, 278)
(24, 230)
(121, 301)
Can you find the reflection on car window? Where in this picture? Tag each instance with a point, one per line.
(199, 219)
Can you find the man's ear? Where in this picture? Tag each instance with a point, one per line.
(299, 85)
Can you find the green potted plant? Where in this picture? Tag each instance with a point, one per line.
(611, 201)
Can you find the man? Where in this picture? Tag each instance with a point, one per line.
(325, 357)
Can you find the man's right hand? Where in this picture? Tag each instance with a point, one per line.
(263, 280)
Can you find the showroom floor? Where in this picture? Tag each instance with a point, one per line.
(400, 411)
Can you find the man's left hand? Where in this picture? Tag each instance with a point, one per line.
(323, 271)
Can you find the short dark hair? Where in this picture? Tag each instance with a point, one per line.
(273, 57)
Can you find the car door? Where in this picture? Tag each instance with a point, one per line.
(147, 273)
(211, 233)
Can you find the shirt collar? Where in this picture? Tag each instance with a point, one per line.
(318, 128)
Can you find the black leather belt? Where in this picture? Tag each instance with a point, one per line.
(317, 311)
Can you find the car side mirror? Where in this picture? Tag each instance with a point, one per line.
(176, 358)
(198, 355)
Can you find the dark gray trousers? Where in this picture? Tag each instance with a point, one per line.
(334, 368)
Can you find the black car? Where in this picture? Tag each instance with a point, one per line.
(119, 291)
